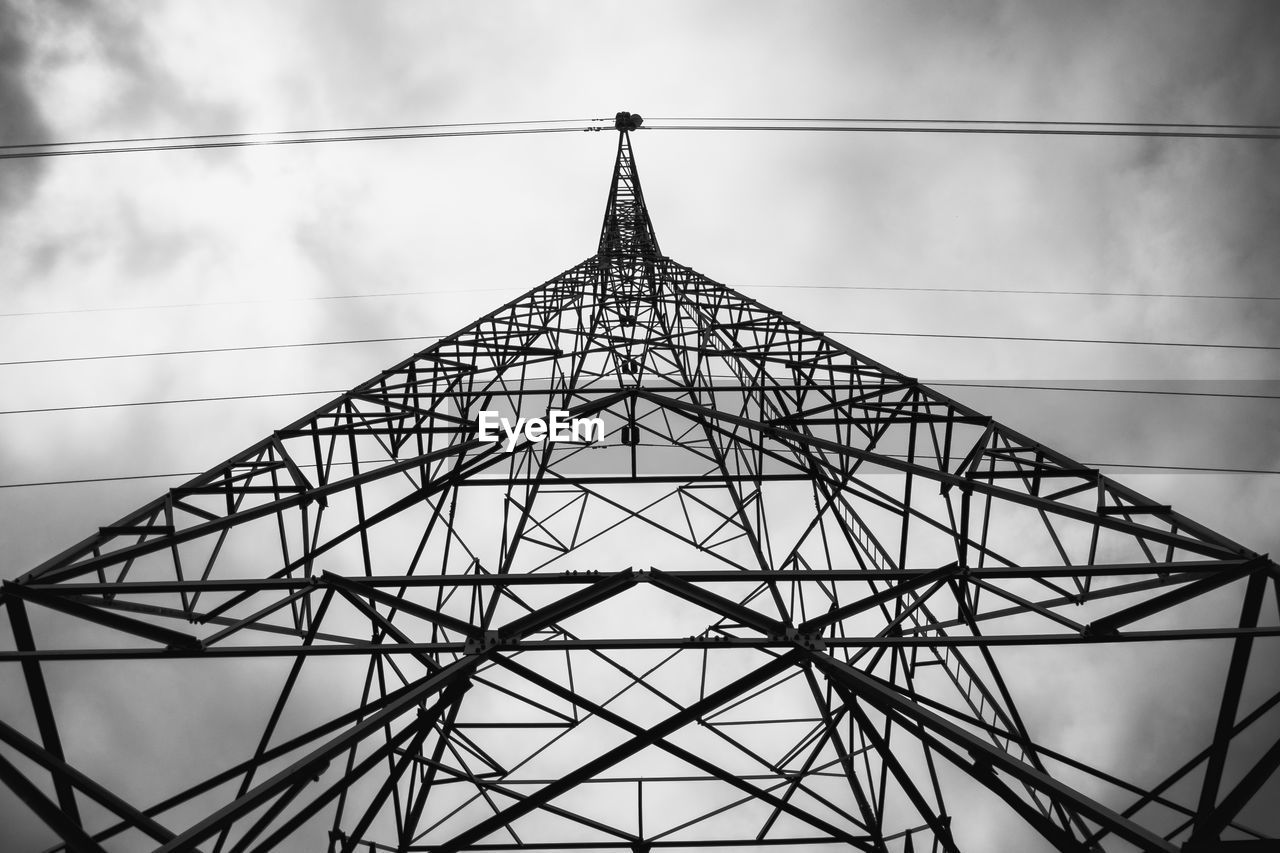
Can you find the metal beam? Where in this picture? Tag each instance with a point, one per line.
(635, 744)
(55, 817)
(41, 706)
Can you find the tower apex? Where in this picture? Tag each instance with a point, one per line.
(627, 230)
(625, 121)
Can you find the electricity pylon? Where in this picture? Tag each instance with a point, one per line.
(790, 598)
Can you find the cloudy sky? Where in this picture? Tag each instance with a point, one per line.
(481, 218)
(93, 249)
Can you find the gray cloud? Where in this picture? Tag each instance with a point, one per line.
(1108, 216)
(23, 122)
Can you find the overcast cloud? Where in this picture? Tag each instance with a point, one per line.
(475, 216)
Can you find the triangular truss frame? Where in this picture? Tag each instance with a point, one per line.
(835, 536)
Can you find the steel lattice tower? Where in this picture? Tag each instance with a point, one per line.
(792, 599)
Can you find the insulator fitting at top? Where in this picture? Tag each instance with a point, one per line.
(628, 121)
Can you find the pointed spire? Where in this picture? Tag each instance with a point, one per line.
(627, 229)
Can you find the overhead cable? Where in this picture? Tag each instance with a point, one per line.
(209, 141)
(1149, 130)
(866, 287)
(939, 384)
(1196, 469)
(1022, 339)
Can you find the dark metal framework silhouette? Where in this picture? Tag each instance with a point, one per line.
(793, 599)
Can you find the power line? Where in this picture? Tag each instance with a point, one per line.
(216, 350)
(500, 128)
(1045, 129)
(1005, 291)
(997, 386)
(86, 480)
(867, 287)
(1061, 340)
(1024, 339)
(136, 403)
(49, 151)
(1075, 389)
(946, 121)
(258, 301)
(1190, 468)
(100, 480)
(328, 130)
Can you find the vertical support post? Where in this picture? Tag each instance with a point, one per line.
(38, 691)
(1236, 670)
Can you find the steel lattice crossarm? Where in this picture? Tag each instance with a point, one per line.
(784, 597)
